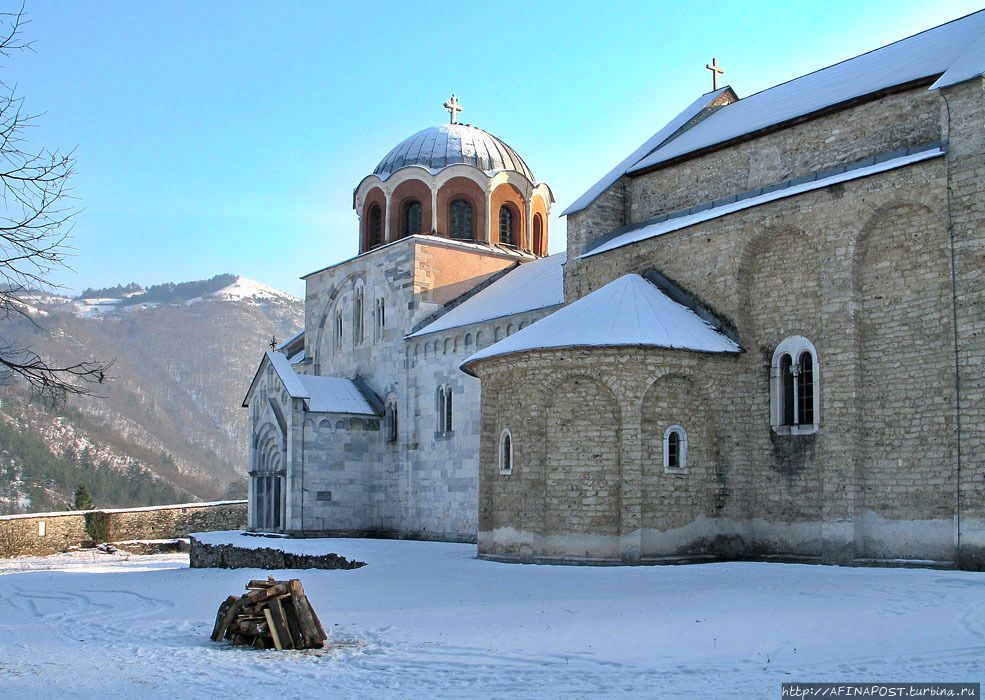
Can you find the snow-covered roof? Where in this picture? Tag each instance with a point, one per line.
(320, 394)
(533, 285)
(629, 311)
(955, 51)
(293, 338)
(648, 146)
(691, 217)
(335, 395)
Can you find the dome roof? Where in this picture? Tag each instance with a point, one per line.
(449, 144)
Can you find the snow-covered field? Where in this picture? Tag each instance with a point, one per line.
(430, 620)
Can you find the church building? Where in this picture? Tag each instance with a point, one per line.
(773, 338)
(363, 423)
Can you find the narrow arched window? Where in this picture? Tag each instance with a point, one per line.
(538, 234)
(794, 387)
(390, 421)
(412, 218)
(441, 409)
(374, 226)
(506, 233)
(460, 219)
(357, 316)
(675, 449)
(448, 423)
(505, 452)
(379, 319)
(338, 328)
(786, 379)
(805, 385)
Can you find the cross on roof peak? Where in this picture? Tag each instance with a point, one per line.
(716, 70)
(453, 108)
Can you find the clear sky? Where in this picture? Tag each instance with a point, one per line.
(228, 136)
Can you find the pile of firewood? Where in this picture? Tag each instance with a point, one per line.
(270, 615)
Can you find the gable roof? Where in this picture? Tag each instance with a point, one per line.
(955, 51)
(320, 394)
(629, 311)
(533, 285)
(648, 146)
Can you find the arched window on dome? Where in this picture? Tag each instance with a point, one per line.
(412, 218)
(538, 235)
(460, 220)
(374, 227)
(507, 233)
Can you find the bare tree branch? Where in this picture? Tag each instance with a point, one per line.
(36, 211)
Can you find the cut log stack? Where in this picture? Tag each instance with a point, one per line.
(270, 615)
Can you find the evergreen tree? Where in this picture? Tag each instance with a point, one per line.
(83, 501)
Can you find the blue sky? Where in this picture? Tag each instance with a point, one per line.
(228, 136)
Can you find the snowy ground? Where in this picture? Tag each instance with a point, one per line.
(430, 620)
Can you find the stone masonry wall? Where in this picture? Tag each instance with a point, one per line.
(22, 534)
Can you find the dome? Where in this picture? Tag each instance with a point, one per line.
(449, 144)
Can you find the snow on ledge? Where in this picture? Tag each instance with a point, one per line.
(679, 222)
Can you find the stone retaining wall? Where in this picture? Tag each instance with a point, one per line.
(228, 556)
(39, 534)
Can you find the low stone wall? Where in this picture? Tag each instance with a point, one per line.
(229, 556)
(39, 534)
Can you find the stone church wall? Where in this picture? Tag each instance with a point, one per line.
(862, 269)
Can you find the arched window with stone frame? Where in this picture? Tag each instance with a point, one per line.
(461, 220)
(507, 226)
(379, 319)
(339, 328)
(506, 452)
(444, 409)
(675, 450)
(412, 218)
(357, 316)
(795, 387)
(440, 409)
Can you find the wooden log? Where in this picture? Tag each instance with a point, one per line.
(280, 623)
(261, 594)
(311, 629)
(220, 616)
(273, 629)
(219, 631)
(253, 627)
(292, 621)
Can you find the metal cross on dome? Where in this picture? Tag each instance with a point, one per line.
(453, 108)
(715, 72)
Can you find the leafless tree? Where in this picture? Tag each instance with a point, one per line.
(36, 211)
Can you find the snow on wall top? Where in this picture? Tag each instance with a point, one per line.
(534, 285)
(648, 146)
(645, 230)
(922, 55)
(627, 311)
(335, 395)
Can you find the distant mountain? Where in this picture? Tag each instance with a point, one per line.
(170, 416)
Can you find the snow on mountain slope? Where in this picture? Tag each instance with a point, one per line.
(245, 288)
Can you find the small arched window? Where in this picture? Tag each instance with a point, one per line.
(675, 449)
(444, 409)
(412, 218)
(794, 392)
(390, 421)
(374, 227)
(338, 328)
(507, 235)
(538, 234)
(379, 319)
(460, 219)
(357, 316)
(506, 452)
